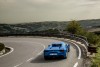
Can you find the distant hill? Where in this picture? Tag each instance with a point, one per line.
(40, 26)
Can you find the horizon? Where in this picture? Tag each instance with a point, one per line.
(51, 21)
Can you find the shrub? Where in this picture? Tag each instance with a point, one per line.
(2, 46)
(74, 27)
(93, 38)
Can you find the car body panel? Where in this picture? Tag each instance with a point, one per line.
(58, 49)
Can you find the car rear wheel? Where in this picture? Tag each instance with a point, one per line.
(46, 58)
(64, 56)
(68, 49)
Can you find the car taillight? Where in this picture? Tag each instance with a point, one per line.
(61, 50)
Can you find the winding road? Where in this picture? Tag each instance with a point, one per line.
(28, 52)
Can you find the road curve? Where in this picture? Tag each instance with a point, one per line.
(28, 52)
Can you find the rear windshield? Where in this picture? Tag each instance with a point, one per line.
(56, 45)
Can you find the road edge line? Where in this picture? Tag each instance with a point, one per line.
(79, 56)
(76, 64)
(11, 50)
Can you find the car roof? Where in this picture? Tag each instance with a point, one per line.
(58, 43)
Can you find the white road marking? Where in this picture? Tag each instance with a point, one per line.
(18, 65)
(81, 44)
(8, 52)
(76, 64)
(79, 56)
(84, 46)
(29, 59)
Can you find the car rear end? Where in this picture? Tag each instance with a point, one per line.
(54, 54)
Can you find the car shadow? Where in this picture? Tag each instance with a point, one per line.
(40, 59)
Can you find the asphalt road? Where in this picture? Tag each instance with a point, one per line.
(28, 52)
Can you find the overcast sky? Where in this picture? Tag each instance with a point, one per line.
(18, 11)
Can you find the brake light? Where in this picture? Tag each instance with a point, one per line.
(61, 50)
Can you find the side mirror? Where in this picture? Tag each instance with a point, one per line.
(67, 45)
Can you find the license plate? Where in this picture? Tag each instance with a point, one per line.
(53, 54)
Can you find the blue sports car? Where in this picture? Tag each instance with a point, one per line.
(57, 50)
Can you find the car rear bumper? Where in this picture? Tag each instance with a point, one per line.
(55, 56)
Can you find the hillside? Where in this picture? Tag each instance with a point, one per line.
(40, 26)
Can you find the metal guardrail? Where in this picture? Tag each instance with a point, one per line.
(79, 38)
(83, 40)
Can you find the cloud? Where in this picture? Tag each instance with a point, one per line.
(41, 10)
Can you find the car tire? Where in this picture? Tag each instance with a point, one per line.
(65, 57)
(68, 49)
(45, 58)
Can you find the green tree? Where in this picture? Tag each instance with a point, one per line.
(93, 38)
(74, 27)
